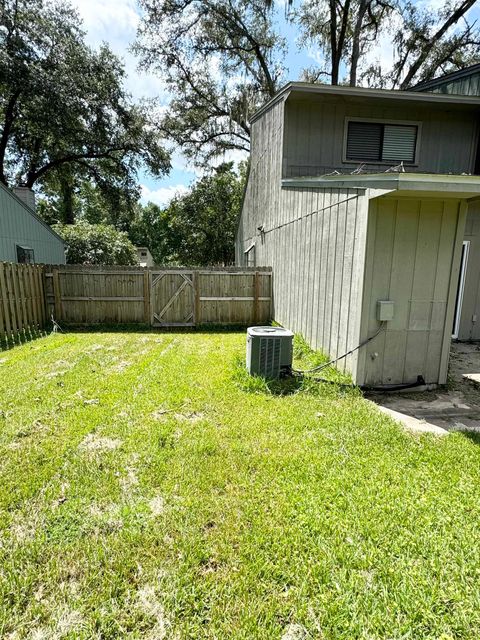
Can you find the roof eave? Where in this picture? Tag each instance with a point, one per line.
(458, 186)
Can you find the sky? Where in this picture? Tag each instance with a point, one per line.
(116, 22)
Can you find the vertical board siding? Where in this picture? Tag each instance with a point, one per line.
(20, 226)
(470, 314)
(315, 131)
(314, 239)
(161, 297)
(22, 303)
(411, 260)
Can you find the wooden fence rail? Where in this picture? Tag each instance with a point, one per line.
(22, 303)
(160, 297)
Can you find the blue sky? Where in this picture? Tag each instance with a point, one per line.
(116, 21)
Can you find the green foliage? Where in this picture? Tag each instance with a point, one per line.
(202, 223)
(220, 59)
(150, 228)
(64, 112)
(96, 244)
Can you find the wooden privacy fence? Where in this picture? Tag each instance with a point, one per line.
(160, 297)
(22, 303)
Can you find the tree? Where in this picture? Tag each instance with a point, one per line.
(64, 114)
(220, 59)
(150, 228)
(96, 244)
(196, 228)
(426, 40)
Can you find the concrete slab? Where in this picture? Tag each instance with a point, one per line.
(472, 377)
(414, 424)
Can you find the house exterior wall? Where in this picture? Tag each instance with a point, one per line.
(20, 226)
(413, 256)
(315, 130)
(315, 241)
(469, 328)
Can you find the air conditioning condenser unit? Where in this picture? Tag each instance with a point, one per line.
(269, 351)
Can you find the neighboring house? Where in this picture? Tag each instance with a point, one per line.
(145, 258)
(328, 206)
(24, 236)
(467, 320)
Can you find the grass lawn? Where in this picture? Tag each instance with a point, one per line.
(149, 489)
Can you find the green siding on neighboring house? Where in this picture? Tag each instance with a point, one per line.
(20, 226)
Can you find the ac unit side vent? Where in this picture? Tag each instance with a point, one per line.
(269, 356)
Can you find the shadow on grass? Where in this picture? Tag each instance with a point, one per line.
(474, 436)
(11, 340)
(146, 328)
(333, 383)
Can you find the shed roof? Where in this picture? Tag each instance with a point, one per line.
(309, 91)
(427, 85)
(420, 184)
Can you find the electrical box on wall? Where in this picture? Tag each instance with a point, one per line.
(385, 309)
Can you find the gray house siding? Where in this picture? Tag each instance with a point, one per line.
(314, 240)
(20, 226)
(412, 258)
(469, 328)
(315, 130)
(465, 82)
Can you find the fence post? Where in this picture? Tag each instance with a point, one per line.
(56, 293)
(146, 296)
(256, 295)
(196, 301)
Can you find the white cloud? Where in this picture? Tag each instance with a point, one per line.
(162, 195)
(116, 22)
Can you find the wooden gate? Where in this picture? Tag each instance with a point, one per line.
(172, 298)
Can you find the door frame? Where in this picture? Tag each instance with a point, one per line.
(461, 288)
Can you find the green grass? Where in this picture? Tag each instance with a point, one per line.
(150, 489)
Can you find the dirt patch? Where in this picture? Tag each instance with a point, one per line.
(149, 603)
(191, 416)
(95, 443)
(157, 505)
(295, 632)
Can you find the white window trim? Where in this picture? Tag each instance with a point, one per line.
(386, 163)
(247, 251)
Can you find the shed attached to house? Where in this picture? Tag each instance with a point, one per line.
(372, 250)
(24, 236)
(466, 326)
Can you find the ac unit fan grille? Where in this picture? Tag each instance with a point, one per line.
(270, 356)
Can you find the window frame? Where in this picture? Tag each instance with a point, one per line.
(28, 251)
(246, 253)
(383, 121)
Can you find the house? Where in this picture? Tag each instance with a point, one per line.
(24, 236)
(145, 258)
(358, 199)
(467, 317)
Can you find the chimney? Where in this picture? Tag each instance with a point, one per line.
(26, 195)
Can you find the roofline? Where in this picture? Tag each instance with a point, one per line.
(455, 185)
(446, 78)
(362, 92)
(32, 212)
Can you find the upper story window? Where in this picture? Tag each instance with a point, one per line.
(25, 255)
(373, 141)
